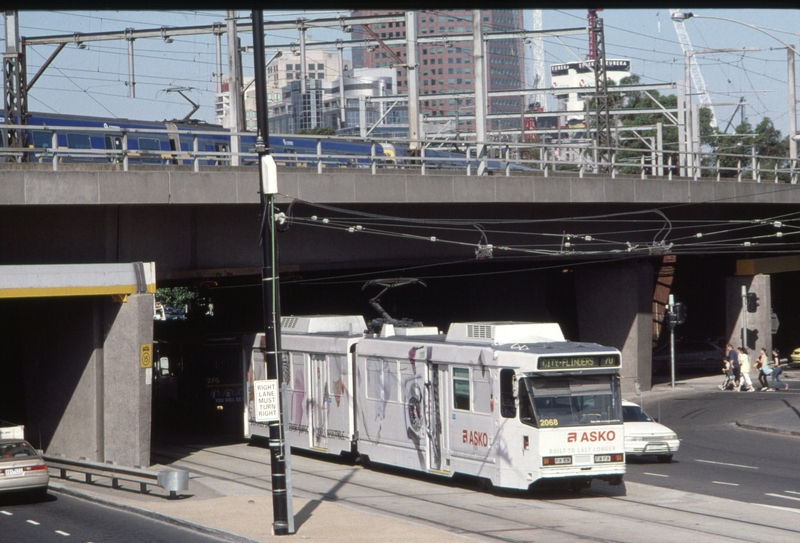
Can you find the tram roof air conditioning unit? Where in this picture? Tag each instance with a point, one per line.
(318, 324)
(501, 333)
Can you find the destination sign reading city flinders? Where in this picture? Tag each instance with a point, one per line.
(578, 362)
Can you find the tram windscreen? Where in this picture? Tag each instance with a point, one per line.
(547, 402)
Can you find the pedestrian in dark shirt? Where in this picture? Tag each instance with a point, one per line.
(733, 357)
(776, 372)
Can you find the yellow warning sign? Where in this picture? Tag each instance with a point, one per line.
(146, 355)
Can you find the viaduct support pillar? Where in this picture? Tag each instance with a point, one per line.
(615, 309)
(86, 391)
(758, 319)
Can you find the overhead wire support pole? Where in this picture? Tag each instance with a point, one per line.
(131, 77)
(283, 522)
(602, 118)
(479, 63)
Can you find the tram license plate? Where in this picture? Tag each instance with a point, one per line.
(602, 458)
(14, 472)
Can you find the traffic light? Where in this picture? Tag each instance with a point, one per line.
(680, 313)
(676, 314)
(751, 302)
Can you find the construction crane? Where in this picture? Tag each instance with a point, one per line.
(694, 67)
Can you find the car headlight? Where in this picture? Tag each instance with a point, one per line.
(665, 437)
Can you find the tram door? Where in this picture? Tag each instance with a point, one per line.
(319, 401)
(433, 416)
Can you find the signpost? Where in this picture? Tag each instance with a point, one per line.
(267, 397)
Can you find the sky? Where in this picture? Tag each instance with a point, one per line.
(92, 81)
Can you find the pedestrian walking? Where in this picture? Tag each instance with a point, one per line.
(733, 357)
(763, 369)
(729, 383)
(746, 384)
(776, 372)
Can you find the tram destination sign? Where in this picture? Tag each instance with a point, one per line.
(577, 362)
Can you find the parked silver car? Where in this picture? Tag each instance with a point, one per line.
(22, 469)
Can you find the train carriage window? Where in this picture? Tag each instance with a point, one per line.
(113, 142)
(78, 141)
(221, 148)
(149, 148)
(461, 389)
(42, 139)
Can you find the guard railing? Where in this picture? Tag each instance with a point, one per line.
(171, 480)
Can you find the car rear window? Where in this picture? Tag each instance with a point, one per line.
(18, 449)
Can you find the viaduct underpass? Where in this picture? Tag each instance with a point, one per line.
(595, 254)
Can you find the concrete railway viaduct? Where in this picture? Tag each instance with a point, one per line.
(78, 355)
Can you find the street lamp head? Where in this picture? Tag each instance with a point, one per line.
(680, 16)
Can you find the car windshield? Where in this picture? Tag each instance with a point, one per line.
(16, 449)
(569, 401)
(634, 413)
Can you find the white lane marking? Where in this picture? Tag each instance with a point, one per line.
(792, 492)
(724, 483)
(32, 522)
(9, 513)
(784, 497)
(778, 507)
(59, 532)
(655, 474)
(726, 464)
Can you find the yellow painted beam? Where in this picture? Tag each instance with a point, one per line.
(40, 281)
(768, 266)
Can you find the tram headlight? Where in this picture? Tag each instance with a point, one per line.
(557, 461)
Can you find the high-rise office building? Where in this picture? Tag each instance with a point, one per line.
(447, 66)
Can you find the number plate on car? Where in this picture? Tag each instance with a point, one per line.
(14, 472)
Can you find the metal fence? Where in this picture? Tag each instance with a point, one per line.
(574, 156)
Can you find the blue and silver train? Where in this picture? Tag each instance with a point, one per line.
(76, 139)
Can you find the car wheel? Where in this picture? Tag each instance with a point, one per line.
(665, 458)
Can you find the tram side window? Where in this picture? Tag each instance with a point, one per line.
(461, 388)
(381, 379)
(507, 407)
(526, 415)
(483, 395)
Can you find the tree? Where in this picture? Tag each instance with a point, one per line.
(764, 142)
(176, 296)
(318, 131)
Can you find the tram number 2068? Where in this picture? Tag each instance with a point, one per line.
(548, 422)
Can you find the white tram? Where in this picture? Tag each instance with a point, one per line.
(508, 402)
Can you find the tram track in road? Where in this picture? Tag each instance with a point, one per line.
(507, 512)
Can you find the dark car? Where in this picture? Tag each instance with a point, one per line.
(690, 356)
